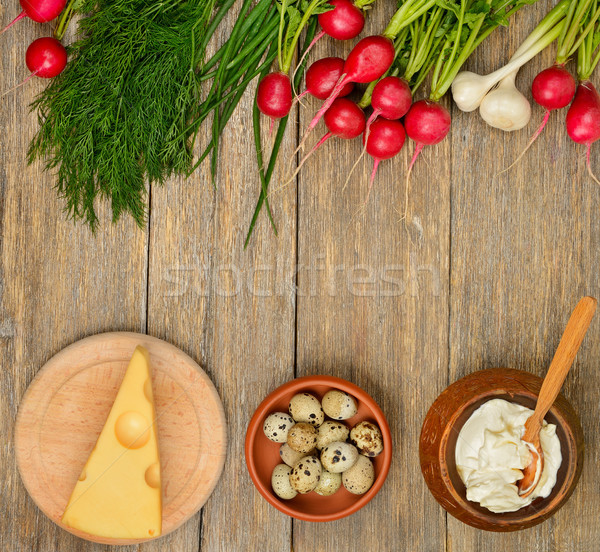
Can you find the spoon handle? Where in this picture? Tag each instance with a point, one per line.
(565, 355)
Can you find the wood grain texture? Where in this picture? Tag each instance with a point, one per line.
(373, 309)
(66, 407)
(524, 250)
(232, 310)
(58, 283)
(554, 379)
(483, 273)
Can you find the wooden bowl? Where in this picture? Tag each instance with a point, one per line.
(441, 428)
(262, 455)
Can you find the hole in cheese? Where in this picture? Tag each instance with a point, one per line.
(152, 476)
(148, 390)
(132, 430)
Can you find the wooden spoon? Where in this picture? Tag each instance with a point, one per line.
(559, 368)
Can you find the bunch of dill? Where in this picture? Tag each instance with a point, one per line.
(116, 118)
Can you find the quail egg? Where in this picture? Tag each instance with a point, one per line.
(339, 456)
(329, 483)
(306, 474)
(302, 437)
(290, 456)
(367, 438)
(305, 407)
(359, 478)
(329, 432)
(339, 405)
(277, 425)
(280, 481)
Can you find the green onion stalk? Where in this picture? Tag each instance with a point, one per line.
(292, 23)
(588, 53)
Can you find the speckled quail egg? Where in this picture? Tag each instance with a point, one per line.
(277, 425)
(305, 407)
(302, 437)
(359, 478)
(306, 474)
(339, 456)
(330, 432)
(329, 483)
(339, 405)
(280, 481)
(367, 438)
(291, 456)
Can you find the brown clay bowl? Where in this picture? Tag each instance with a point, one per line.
(443, 423)
(262, 455)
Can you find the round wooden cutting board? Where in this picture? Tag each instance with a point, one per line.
(66, 405)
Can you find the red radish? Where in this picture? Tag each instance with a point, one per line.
(343, 119)
(274, 95)
(368, 60)
(553, 88)
(46, 57)
(323, 75)
(391, 99)
(40, 11)
(344, 22)
(583, 119)
(427, 123)
(384, 140)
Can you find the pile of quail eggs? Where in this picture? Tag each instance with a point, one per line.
(320, 454)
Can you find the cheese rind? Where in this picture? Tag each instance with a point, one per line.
(118, 494)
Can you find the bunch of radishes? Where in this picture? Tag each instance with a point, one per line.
(274, 95)
(46, 57)
(574, 23)
(331, 79)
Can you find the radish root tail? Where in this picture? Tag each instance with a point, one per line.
(304, 160)
(589, 165)
(529, 144)
(318, 37)
(326, 105)
(362, 154)
(18, 85)
(18, 18)
(372, 180)
(298, 99)
(418, 150)
(370, 120)
(364, 149)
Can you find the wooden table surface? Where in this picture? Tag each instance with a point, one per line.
(485, 274)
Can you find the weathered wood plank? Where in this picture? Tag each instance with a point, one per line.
(524, 250)
(58, 283)
(233, 311)
(373, 308)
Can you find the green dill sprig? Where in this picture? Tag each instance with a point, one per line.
(115, 119)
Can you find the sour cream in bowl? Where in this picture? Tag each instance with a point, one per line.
(490, 456)
(472, 454)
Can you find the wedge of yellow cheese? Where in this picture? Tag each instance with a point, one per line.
(118, 494)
